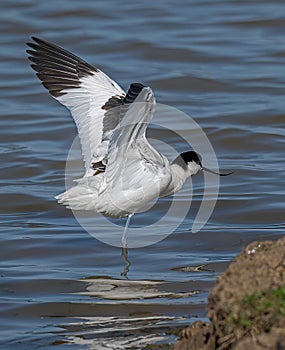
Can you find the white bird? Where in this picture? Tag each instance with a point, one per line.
(123, 172)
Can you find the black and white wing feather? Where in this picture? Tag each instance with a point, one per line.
(128, 141)
(82, 88)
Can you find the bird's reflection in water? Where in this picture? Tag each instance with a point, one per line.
(127, 262)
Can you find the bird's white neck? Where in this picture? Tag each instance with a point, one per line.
(181, 173)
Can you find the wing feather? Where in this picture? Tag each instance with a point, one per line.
(79, 86)
(131, 129)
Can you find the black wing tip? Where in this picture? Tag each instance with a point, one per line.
(34, 38)
(44, 47)
(39, 41)
(133, 92)
(59, 69)
(139, 86)
(36, 45)
(36, 41)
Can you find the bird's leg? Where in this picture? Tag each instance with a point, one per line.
(127, 262)
(125, 234)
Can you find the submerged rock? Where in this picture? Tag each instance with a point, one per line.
(246, 305)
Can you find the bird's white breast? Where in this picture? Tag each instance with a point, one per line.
(139, 183)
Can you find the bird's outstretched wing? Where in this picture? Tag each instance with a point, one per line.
(128, 138)
(82, 88)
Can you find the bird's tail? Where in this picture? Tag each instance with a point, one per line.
(83, 196)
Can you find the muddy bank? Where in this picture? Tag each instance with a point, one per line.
(246, 305)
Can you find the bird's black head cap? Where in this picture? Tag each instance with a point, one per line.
(191, 156)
